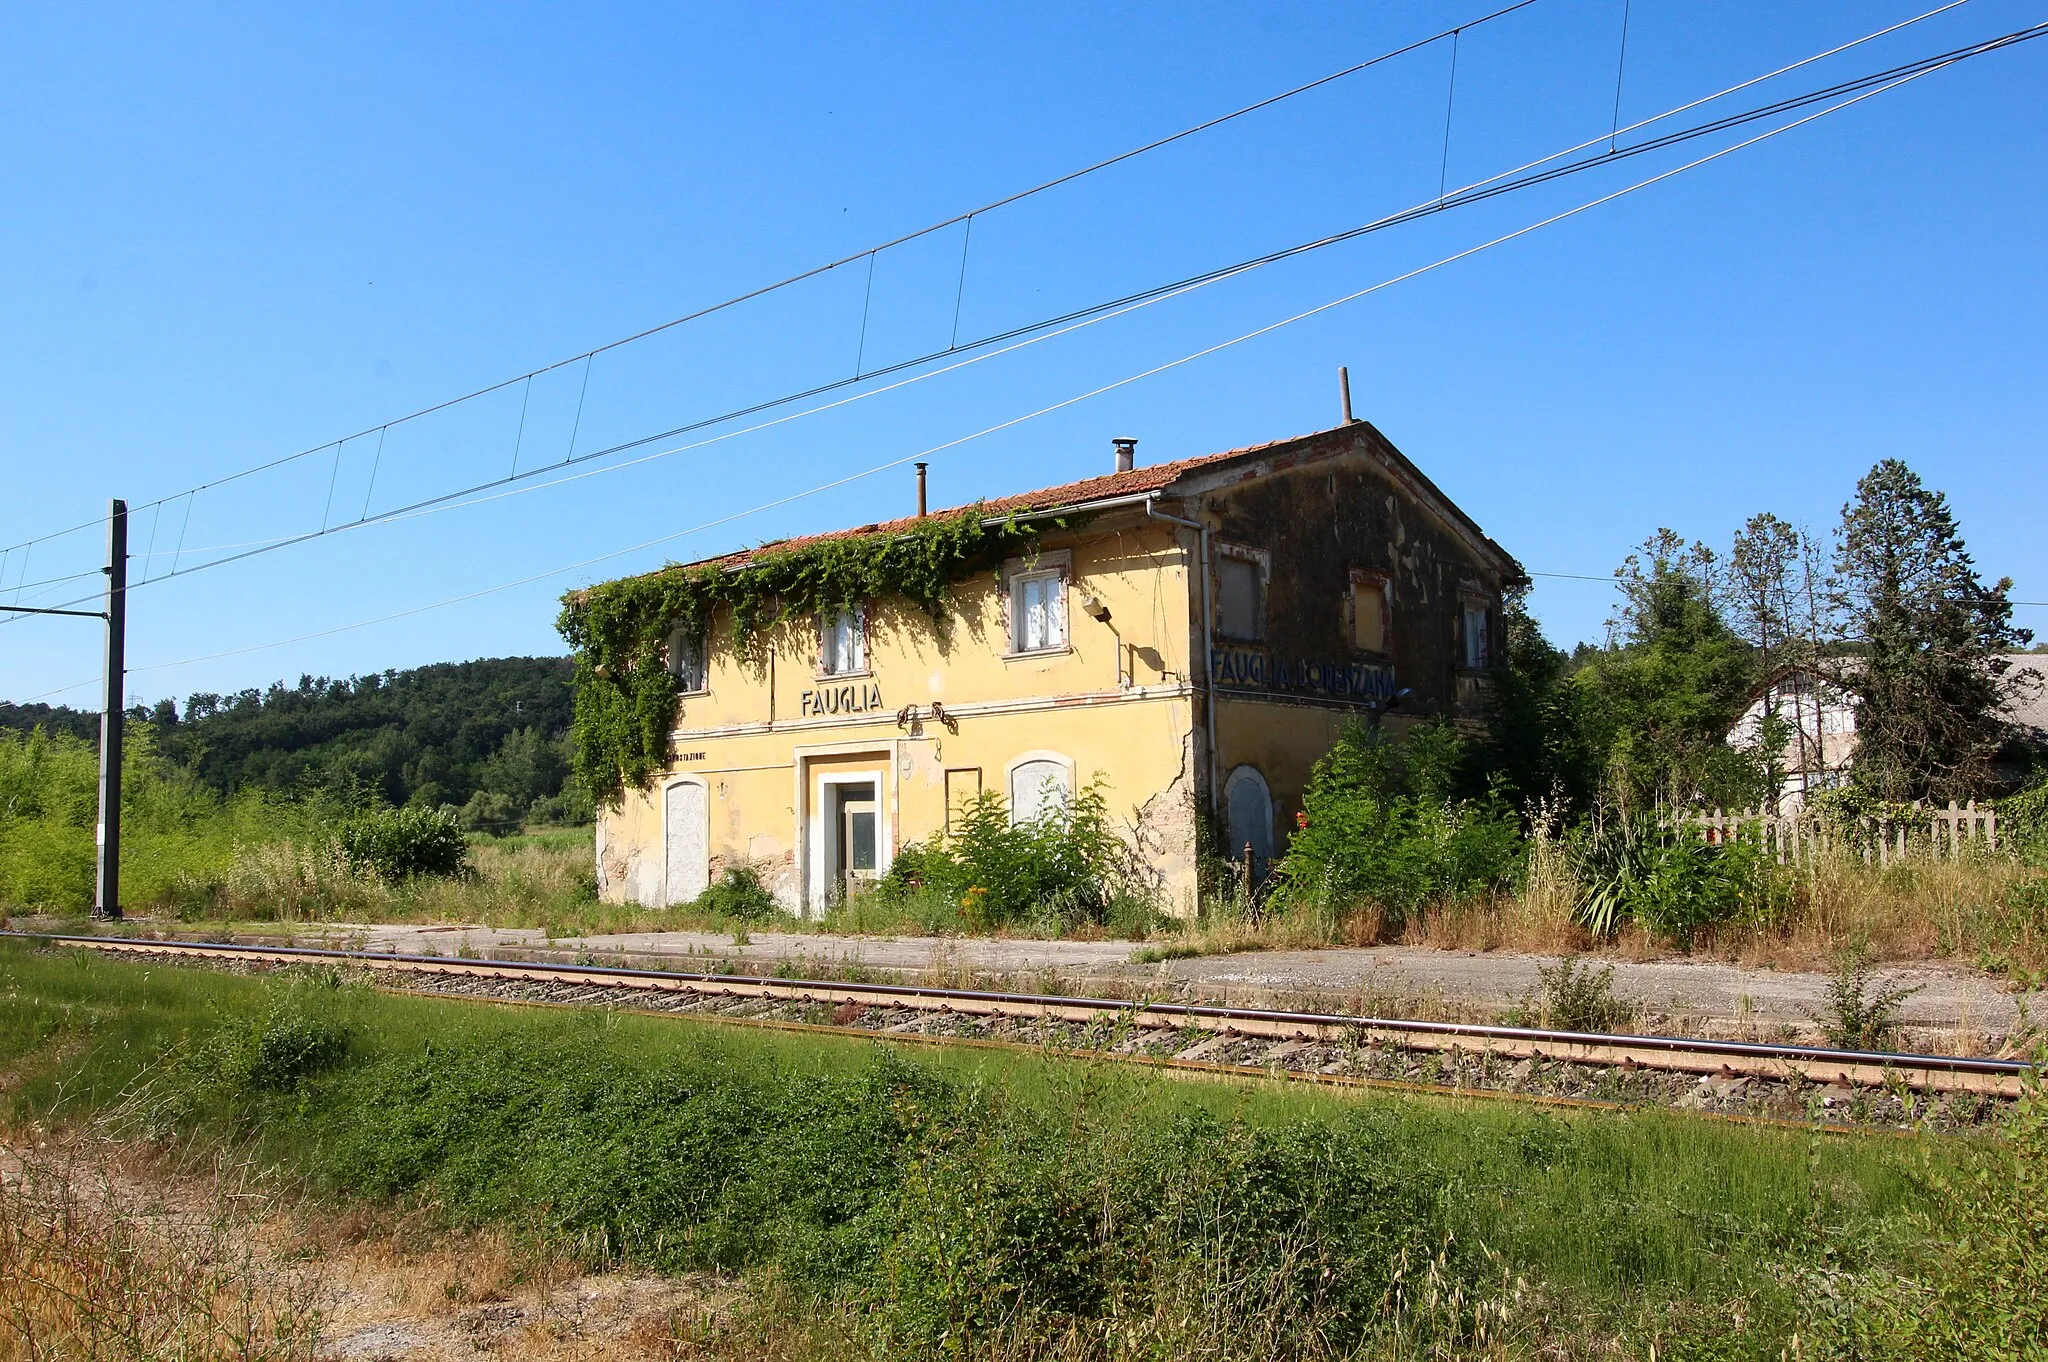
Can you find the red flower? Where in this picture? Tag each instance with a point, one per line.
(1301, 822)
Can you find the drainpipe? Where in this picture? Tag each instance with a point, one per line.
(1153, 512)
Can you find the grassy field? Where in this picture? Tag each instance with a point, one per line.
(888, 1202)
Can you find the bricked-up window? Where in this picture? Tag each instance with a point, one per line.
(686, 660)
(1038, 611)
(1475, 638)
(1239, 609)
(842, 644)
(1368, 612)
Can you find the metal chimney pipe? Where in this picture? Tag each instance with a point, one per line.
(1126, 453)
(920, 489)
(1344, 390)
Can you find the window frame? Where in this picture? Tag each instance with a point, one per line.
(1262, 564)
(702, 641)
(1058, 563)
(858, 616)
(1468, 607)
(1362, 579)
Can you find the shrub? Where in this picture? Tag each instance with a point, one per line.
(1580, 998)
(401, 844)
(1671, 880)
(274, 1051)
(738, 894)
(1381, 828)
(1856, 1017)
(2023, 824)
(1067, 864)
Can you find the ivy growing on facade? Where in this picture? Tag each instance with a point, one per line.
(625, 694)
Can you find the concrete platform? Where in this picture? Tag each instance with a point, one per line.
(1948, 997)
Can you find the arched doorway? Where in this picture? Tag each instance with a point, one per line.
(1248, 819)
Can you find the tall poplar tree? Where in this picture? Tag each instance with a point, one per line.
(1931, 633)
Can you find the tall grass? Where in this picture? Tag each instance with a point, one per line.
(92, 1265)
(958, 1203)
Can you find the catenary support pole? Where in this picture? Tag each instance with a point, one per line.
(107, 903)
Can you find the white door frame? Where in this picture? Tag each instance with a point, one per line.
(810, 794)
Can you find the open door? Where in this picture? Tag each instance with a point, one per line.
(857, 836)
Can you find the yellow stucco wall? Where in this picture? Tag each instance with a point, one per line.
(1117, 704)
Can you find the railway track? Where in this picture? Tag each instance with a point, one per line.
(1730, 1077)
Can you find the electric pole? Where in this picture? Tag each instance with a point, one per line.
(107, 900)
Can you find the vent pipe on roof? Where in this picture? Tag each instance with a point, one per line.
(1126, 453)
(1344, 391)
(920, 489)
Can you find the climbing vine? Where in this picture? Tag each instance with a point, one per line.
(626, 695)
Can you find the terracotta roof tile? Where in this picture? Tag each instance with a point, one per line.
(1156, 478)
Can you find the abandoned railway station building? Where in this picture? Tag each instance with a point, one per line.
(1192, 635)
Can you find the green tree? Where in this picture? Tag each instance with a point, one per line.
(1662, 696)
(1931, 680)
(1382, 827)
(1536, 746)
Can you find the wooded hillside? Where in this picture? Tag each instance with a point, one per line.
(486, 736)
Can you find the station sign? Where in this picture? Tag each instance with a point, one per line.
(1256, 669)
(858, 698)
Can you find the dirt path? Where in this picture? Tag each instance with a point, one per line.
(103, 1241)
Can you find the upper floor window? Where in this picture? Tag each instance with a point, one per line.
(1240, 595)
(1475, 640)
(1368, 612)
(842, 643)
(687, 660)
(1035, 601)
(1038, 611)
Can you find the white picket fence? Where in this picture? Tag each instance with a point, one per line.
(1799, 837)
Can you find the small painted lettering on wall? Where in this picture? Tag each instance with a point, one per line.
(1252, 669)
(690, 756)
(855, 699)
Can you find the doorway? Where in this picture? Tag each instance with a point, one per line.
(847, 834)
(855, 855)
(1248, 820)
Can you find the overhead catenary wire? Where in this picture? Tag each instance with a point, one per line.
(1492, 187)
(1488, 187)
(813, 272)
(928, 453)
(1620, 65)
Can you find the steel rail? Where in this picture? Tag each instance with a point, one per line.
(1190, 1068)
(1805, 1063)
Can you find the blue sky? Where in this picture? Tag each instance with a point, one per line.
(236, 232)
